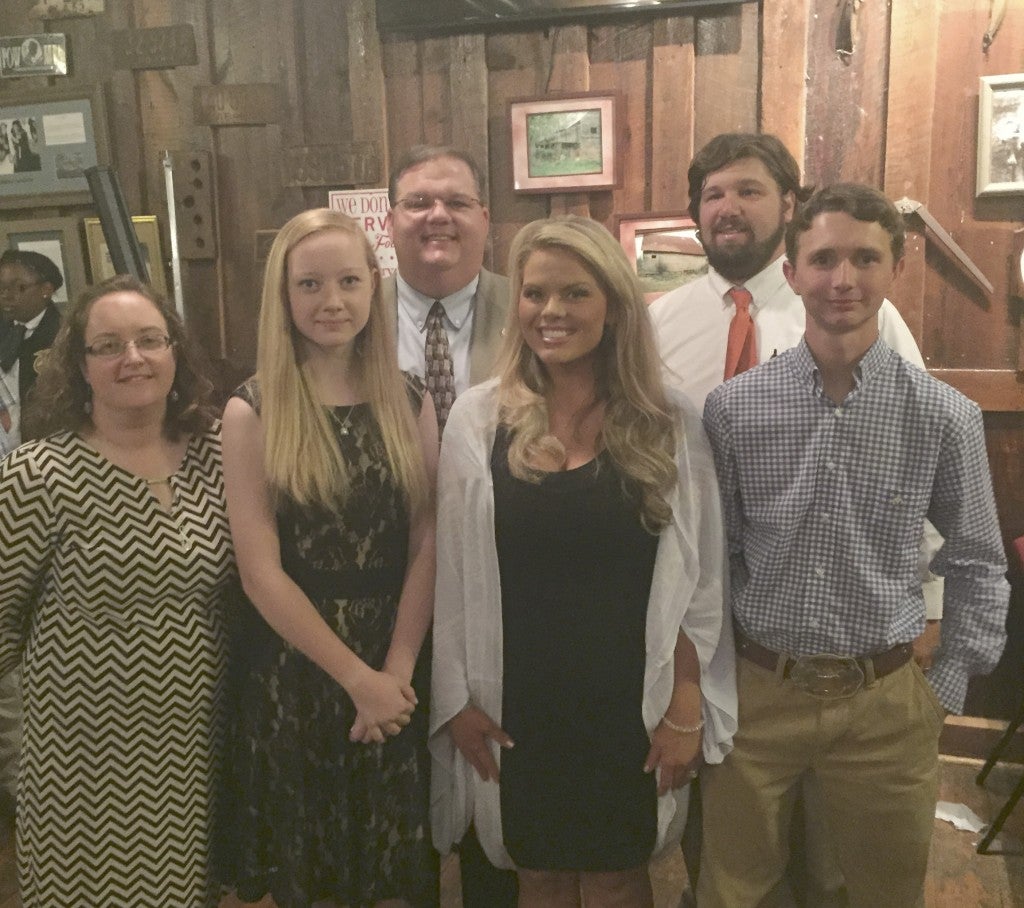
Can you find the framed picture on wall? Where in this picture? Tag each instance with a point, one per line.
(56, 238)
(1001, 135)
(663, 248)
(47, 140)
(565, 143)
(147, 230)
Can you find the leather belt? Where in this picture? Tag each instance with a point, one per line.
(824, 675)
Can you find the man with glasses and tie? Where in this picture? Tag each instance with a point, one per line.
(29, 324)
(450, 309)
(744, 190)
(450, 313)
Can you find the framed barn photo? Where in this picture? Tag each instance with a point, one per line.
(664, 250)
(56, 238)
(565, 142)
(48, 138)
(1001, 135)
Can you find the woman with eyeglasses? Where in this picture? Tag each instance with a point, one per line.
(117, 561)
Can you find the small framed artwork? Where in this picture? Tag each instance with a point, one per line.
(565, 143)
(47, 141)
(1001, 135)
(663, 248)
(56, 238)
(147, 230)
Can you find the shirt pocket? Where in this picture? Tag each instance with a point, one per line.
(895, 525)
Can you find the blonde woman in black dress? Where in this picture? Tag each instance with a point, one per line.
(579, 679)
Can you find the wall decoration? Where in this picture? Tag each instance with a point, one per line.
(148, 232)
(369, 208)
(47, 139)
(255, 104)
(67, 9)
(33, 55)
(164, 47)
(663, 248)
(1001, 135)
(56, 238)
(564, 143)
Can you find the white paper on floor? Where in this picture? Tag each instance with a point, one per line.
(960, 815)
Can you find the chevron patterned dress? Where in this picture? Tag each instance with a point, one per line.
(113, 606)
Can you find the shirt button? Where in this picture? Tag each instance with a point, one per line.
(838, 412)
(831, 464)
(813, 622)
(819, 571)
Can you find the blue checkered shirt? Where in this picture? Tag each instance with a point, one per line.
(824, 507)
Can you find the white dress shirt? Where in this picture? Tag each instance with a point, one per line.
(413, 308)
(10, 397)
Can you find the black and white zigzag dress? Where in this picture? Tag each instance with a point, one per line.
(113, 606)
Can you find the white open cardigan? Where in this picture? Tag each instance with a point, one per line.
(688, 592)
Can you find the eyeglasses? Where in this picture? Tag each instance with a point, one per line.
(110, 347)
(18, 288)
(420, 204)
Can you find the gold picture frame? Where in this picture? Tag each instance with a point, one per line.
(147, 230)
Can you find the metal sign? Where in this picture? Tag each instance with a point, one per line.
(33, 55)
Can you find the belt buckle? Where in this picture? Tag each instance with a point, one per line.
(826, 676)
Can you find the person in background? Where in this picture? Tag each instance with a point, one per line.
(117, 557)
(744, 189)
(450, 312)
(329, 461)
(29, 324)
(580, 623)
(830, 457)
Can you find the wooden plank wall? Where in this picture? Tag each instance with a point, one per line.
(897, 108)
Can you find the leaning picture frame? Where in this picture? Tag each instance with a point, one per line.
(565, 142)
(663, 248)
(48, 138)
(56, 238)
(101, 266)
(1001, 135)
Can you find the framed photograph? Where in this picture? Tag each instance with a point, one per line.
(47, 139)
(565, 143)
(1001, 135)
(663, 248)
(147, 230)
(56, 238)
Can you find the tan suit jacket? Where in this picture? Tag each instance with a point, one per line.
(489, 308)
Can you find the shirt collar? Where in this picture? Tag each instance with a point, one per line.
(762, 286)
(416, 305)
(33, 322)
(870, 363)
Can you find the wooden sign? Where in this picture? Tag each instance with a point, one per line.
(255, 104)
(193, 204)
(331, 165)
(67, 9)
(154, 48)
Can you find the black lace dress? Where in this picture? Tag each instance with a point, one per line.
(319, 816)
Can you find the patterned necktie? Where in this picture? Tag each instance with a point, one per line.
(741, 351)
(10, 346)
(439, 372)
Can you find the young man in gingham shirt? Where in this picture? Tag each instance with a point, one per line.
(830, 457)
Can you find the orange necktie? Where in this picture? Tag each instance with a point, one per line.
(741, 351)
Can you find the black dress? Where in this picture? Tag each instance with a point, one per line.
(321, 816)
(575, 567)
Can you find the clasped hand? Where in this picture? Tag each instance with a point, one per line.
(384, 706)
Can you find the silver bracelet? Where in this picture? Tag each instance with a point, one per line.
(682, 729)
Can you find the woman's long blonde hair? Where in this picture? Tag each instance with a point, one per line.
(301, 455)
(640, 427)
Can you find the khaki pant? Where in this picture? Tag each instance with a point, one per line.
(875, 755)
